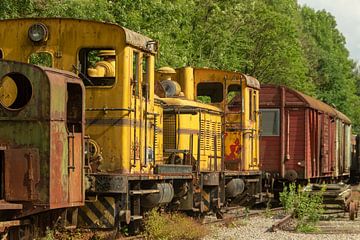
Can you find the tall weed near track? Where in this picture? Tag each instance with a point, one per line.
(304, 206)
(175, 226)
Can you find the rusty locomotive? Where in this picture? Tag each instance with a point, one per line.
(42, 145)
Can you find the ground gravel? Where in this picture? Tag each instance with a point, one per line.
(257, 228)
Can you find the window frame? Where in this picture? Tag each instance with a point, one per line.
(221, 91)
(82, 70)
(241, 97)
(277, 110)
(39, 52)
(145, 73)
(135, 77)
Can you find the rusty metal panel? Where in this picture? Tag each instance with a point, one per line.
(270, 153)
(233, 150)
(172, 168)
(324, 146)
(269, 97)
(76, 189)
(22, 174)
(107, 183)
(294, 141)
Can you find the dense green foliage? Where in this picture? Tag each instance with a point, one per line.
(277, 41)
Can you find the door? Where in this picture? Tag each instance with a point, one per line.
(74, 121)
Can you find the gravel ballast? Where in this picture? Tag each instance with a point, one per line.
(258, 228)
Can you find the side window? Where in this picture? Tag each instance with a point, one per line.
(135, 76)
(210, 92)
(1, 54)
(74, 107)
(254, 103)
(97, 66)
(44, 59)
(15, 91)
(270, 122)
(145, 74)
(234, 98)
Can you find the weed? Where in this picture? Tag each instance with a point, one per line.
(175, 226)
(303, 205)
(246, 213)
(49, 234)
(268, 213)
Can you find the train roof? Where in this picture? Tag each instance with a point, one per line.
(132, 38)
(310, 102)
(249, 80)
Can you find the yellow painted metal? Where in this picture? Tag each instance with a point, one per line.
(242, 122)
(158, 110)
(115, 117)
(188, 85)
(8, 91)
(202, 122)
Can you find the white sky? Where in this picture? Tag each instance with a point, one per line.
(347, 14)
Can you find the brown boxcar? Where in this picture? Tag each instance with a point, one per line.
(302, 137)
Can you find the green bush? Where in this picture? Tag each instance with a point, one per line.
(307, 207)
(175, 226)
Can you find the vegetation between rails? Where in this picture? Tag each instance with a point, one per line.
(164, 226)
(305, 206)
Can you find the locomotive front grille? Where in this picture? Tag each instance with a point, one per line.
(169, 132)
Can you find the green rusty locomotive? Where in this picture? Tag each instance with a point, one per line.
(41, 144)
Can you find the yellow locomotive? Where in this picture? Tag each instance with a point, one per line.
(192, 133)
(237, 95)
(142, 150)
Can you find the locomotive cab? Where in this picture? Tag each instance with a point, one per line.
(41, 140)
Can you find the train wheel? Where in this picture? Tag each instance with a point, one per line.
(352, 211)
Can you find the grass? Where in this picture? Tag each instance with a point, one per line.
(174, 226)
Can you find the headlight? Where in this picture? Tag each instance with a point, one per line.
(38, 32)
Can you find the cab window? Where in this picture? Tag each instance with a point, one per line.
(74, 108)
(270, 122)
(252, 104)
(210, 92)
(145, 74)
(97, 66)
(234, 98)
(44, 59)
(1, 54)
(135, 77)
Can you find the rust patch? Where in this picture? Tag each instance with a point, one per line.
(235, 150)
(22, 174)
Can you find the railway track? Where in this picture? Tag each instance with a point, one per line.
(241, 213)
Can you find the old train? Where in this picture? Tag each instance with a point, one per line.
(303, 138)
(142, 150)
(237, 95)
(42, 116)
(131, 138)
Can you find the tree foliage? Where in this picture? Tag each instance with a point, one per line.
(277, 41)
